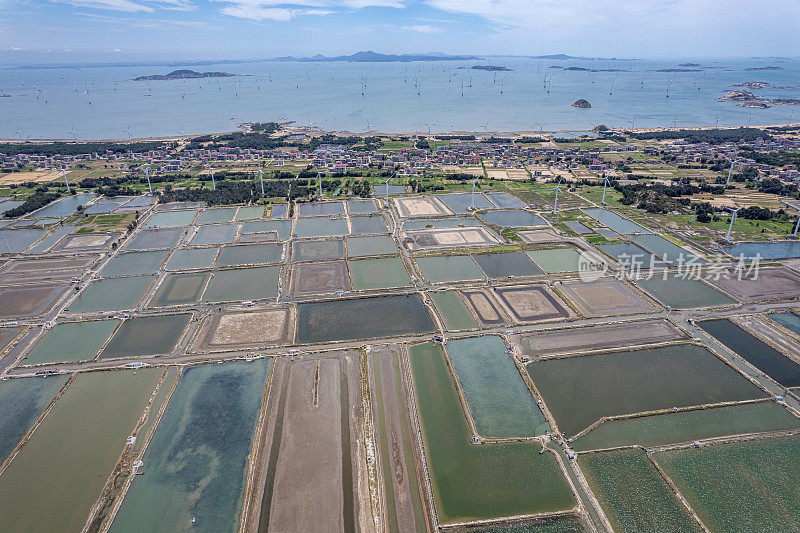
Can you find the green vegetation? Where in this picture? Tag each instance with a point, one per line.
(711, 136)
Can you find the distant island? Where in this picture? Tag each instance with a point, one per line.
(748, 99)
(375, 57)
(690, 65)
(678, 70)
(183, 75)
(751, 69)
(583, 104)
(491, 68)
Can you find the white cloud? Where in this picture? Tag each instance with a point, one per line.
(281, 10)
(422, 28)
(114, 5)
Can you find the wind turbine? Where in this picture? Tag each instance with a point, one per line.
(63, 173)
(74, 133)
(147, 175)
(128, 131)
(605, 183)
(733, 219)
(261, 177)
(557, 189)
(797, 208)
(473, 192)
(213, 183)
(319, 183)
(386, 183)
(728, 181)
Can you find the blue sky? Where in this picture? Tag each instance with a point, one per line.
(131, 30)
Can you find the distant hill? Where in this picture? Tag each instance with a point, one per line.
(375, 57)
(183, 75)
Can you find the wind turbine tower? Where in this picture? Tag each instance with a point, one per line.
(64, 173)
(733, 219)
(605, 183)
(147, 175)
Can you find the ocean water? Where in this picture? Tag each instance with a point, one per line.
(104, 102)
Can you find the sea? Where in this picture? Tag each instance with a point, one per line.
(104, 102)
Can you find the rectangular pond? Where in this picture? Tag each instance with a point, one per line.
(189, 258)
(315, 209)
(740, 486)
(499, 401)
(788, 320)
(72, 341)
(170, 218)
(365, 224)
(688, 426)
(373, 245)
(616, 222)
(113, 294)
(135, 263)
(251, 254)
(503, 471)
(556, 259)
(179, 289)
(755, 351)
(197, 461)
(257, 283)
(281, 227)
(632, 256)
(216, 214)
(14, 241)
(507, 265)
(214, 234)
(452, 310)
(317, 250)
(667, 250)
(64, 206)
(159, 238)
(579, 391)
(359, 206)
(146, 335)
(444, 268)
(505, 200)
(378, 273)
(250, 212)
(683, 292)
(458, 202)
(512, 218)
(362, 318)
(321, 227)
(46, 491)
(633, 494)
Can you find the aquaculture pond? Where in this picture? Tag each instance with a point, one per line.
(557, 524)
(498, 399)
(170, 218)
(581, 390)
(13, 241)
(373, 245)
(64, 206)
(250, 254)
(755, 351)
(740, 486)
(512, 218)
(443, 268)
(688, 426)
(379, 273)
(766, 250)
(356, 206)
(368, 224)
(321, 227)
(438, 223)
(578, 227)
(46, 491)
(506, 265)
(633, 494)
(788, 320)
(278, 211)
(459, 202)
(157, 238)
(317, 250)
(73, 341)
(281, 227)
(505, 200)
(454, 314)
(320, 209)
(556, 259)
(196, 463)
(214, 234)
(250, 212)
(683, 292)
(188, 258)
(616, 222)
(113, 294)
(22, 402)
(179, 289)
(632, 256)
(242, 284)
(502, 471)
(147, 335)
(46, 243)
(362, 318)
(135, 263)
(667, 250)
(218, 214)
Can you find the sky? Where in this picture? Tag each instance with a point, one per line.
(134, 30)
